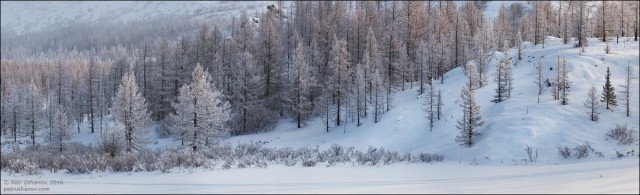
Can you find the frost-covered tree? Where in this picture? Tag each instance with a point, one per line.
(251, 115)
(270, 58)
(164, 74)
(626, 90)
(144, 66)
(422, 60)
(34, 110)
(358, 91)
(608, 92)
(200, 111)
(304, 82)
(439, 105)
(14, 106)
(433, 104)
(471, 118)
(373, 63)
(563, 81)
(539, 72)
(520, 47)
(378, 95)
(483, 47)
(472, 73)
(112, 140)
(341, 74)
(92, 79)
(503, 77)
(592, 103)
(61, 129)
(130, 108)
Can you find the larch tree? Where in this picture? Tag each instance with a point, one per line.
(358, 91)
(34, 113)
(270, 59)
(503, 77)
(471, 118)
(92, 78)
(304, 82)
(341, 74)
(144, 68)
(626, 90)
(61, 129)
(422, 60)
(200, 111)
(563, 81)
(471, 72)
(163, 76)
(130, 108)
(592, 103)
(378, 95)
(608, 92)
(539, 72)
(431, 103)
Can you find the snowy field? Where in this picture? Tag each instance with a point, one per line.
(617, 176)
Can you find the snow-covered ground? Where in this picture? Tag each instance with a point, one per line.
(617, 176)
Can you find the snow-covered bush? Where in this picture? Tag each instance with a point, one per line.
(227, 163)
(427, 157)
(167, 160)
(582, 151)
(623, 134)
(124, 163)
(25, 166)
(309, 163)
(58, 162)
(149, 160)
(79, 158)
(77, 165)
(564, 152)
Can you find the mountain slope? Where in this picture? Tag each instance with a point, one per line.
(25, 16)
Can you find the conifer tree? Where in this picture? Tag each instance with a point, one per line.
(608, 92)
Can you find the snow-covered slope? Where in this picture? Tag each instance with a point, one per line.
(29, 16)
(509, 126)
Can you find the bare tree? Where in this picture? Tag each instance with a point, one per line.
(592, 103)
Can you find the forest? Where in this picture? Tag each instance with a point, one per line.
(198, 81)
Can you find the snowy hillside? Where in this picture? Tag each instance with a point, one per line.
(509, 126)
(34, 16)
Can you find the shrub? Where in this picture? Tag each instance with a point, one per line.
(427, 158)
(623, 134)
(309, 163)
(533, 156)
(564, 152)
(23, 166)
(582, 150)
(79, 158)
(123, 163)
(227, 163)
